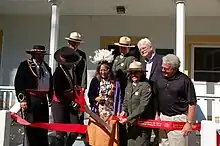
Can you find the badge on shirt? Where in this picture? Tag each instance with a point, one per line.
(148, 89)
(122, 64)
(136, 93)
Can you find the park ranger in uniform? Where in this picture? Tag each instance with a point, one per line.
(136, 105)
(120, 65)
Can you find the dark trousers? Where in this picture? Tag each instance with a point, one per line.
(157, 137)
(63, 114)
(37, 111)
(83, 136)
(122, 135)
(138, 136)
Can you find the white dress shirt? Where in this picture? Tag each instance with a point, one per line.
(149, 64)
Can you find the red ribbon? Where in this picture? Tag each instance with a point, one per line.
(78, 95)
(157, 124)
(80, 98)
(76, 128)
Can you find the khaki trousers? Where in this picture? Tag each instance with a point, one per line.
(175, 137)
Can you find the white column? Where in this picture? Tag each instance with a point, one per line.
(180, 48)
(54, 31)
(5, 125)
(180, 32)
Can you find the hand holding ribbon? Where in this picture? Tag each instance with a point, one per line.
(80, 99)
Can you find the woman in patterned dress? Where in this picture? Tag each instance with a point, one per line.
(104, 96)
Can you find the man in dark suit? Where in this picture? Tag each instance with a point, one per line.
(79, 70)
(152, 65)
(34, 88)
(64, 107)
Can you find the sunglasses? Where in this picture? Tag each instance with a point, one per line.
(135, 72)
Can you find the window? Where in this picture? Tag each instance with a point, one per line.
(207, 64)
(115, 48)
(164, 51)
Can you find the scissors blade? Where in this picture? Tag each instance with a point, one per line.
(98, 119)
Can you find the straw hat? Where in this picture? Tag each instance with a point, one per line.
(124, 42)
(67, 56)
(135, 66)
(75, 37)
(38, 49)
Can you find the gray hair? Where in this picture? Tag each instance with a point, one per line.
(144, 41)
(172, 60)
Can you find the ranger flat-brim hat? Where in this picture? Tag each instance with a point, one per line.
(75, 37)
(67, 56)
(135, 66)
(40, 49)
(124, 42)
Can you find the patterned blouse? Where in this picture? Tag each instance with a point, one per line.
(105, 109)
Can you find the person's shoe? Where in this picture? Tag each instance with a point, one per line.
(60, 140)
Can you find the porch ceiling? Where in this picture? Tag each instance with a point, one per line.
(107, 7)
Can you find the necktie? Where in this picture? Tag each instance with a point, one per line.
(41, 71)
(148, 60)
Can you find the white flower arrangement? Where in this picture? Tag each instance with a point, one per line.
(102, 55)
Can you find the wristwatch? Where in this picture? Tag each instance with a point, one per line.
(190, 122)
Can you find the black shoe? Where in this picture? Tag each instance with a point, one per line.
(60, 140)
(71, 139)
(82, 136)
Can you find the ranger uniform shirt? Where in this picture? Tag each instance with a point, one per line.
(136, 101)
(175, 94)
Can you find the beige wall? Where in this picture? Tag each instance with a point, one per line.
(21, 32)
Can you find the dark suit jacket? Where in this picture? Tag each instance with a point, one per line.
(81, 70)
(156, 70)
(26, 78)
(63, 85)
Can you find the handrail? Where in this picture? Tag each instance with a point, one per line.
(204, 95)
(7, 88)
(208, 96)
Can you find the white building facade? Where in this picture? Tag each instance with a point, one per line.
(188, 28)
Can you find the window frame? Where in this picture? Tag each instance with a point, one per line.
(193, 61)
